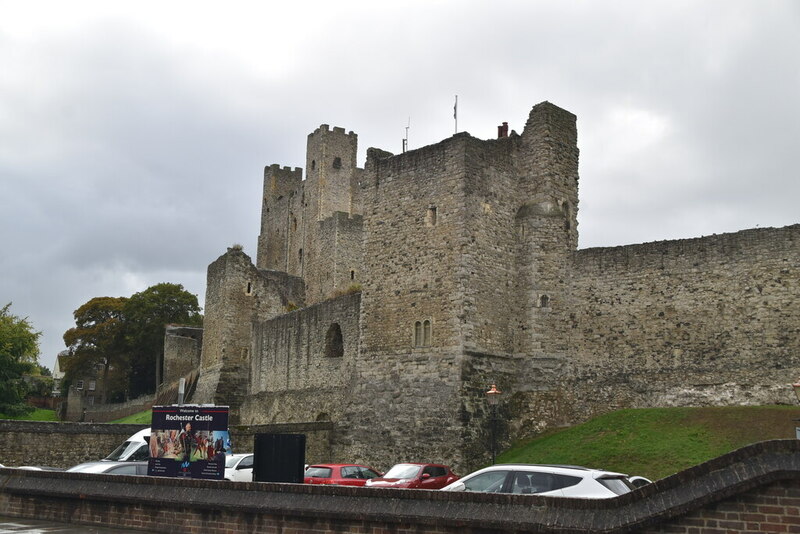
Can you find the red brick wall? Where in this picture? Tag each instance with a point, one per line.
(773, 508)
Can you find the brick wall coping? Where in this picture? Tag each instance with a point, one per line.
(63, 427)
(723, 477)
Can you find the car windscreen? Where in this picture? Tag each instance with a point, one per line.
(318, 472)
(230, 460)
(403, 471)
(124, 450)
(616, 484)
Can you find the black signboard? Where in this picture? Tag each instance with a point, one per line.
(189, 441)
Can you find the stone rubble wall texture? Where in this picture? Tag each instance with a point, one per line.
(479, 240)
(182, 346)
(65, 444)
(60, 445)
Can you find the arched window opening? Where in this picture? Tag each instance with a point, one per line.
(544, 301)
(430, 216)
(334, 344)
(422, 333)
(249, 290)
(300, 256)
(337, 163)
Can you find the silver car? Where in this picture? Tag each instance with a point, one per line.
(550, 480)
(111, 468)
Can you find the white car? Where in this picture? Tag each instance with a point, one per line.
(239, 467)
(110, 468)
(550, 480)
(638, 481)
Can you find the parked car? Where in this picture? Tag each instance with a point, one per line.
(639, 481)
(239, 467)
(339, 474)
(110, 468)
(40, 468)
(416, 476)
(133, 449)
(551, 480)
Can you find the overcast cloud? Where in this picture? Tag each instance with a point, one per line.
(133, 135)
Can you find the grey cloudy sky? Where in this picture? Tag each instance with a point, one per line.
(133, 135)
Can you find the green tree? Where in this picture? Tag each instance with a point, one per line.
(147, 313)
(98, 339)
(19, 354)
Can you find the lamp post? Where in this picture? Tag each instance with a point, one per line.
(796, 387)
(492, 396)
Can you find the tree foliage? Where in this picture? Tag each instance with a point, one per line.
(147, 314)
(97, 343)
(125, 336)
(19, 354)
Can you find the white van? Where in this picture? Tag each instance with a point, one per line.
(134, 449)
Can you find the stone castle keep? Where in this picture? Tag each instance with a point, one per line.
(386, 300)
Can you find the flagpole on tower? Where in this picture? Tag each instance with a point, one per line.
(455, 113)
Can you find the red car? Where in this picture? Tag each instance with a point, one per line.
(339, 474)
(417, 476)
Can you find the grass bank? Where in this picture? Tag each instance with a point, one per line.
(657, 442)
(39, 414)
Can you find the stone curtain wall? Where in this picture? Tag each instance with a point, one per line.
(291, 351)
(59, 444)
(103, 413)
(756, 489)
(707, 321)
(66, 444)
(182, 347)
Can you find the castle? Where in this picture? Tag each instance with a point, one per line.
(386, 300)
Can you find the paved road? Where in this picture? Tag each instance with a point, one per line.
(15, 525)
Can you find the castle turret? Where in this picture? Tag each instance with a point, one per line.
(546, 227)
(330, 164)
(281, 219)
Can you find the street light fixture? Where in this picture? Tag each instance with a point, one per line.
(796, 387)
(492, 396)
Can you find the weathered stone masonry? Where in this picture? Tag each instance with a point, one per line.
(464, 259)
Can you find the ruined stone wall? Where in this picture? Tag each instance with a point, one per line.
(706, 321)
(182, 347)
(281, 204)
(237, 294)
(339, 244)
(466, 255)
(299, 350)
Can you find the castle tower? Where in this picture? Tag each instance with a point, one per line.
(225, 358)
(281, 220)
(546, 228)
(330, 259)
(330, 164)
